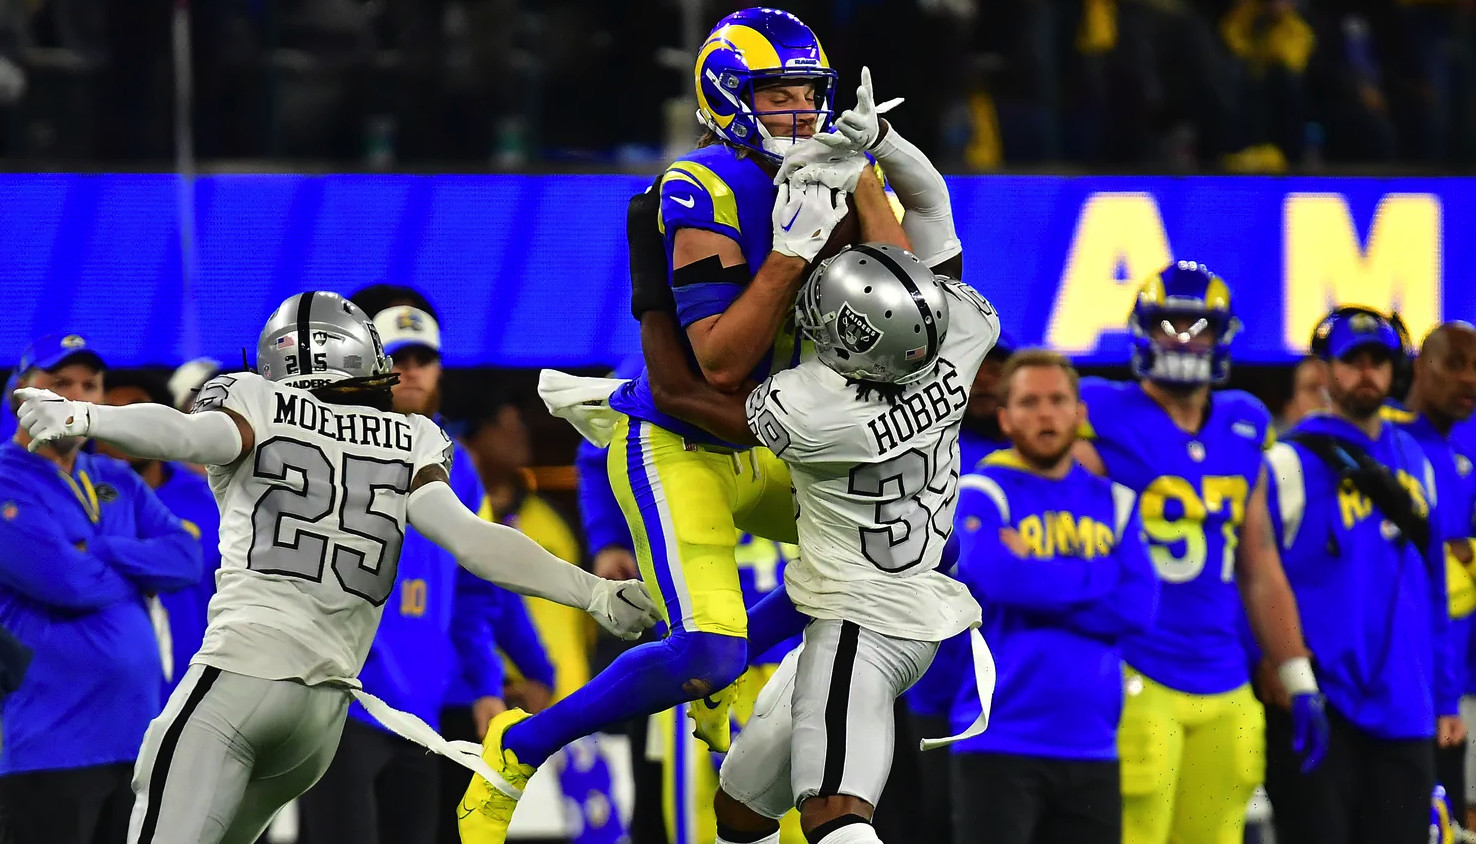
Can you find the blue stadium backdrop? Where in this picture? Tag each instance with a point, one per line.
(530, 270)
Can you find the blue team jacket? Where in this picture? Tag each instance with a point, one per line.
(1053, 619)
(433, 626)
(1373, 607)
(72, 588)
(1454, 490)
(187, 495)
(951, 673)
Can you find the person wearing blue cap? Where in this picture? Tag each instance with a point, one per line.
(1354, 510)
(83, 544)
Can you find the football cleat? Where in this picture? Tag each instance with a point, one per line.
(487, 808)
(711, 717)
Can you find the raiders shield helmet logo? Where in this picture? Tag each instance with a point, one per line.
(857, 334)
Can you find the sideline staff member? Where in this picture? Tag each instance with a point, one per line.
(83, 541)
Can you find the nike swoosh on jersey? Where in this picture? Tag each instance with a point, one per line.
(774, 395)
(686, 203)
(710, 703)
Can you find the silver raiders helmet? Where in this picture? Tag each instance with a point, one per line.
(875, 313)
(318, 338)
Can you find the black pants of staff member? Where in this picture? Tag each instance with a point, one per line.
(1366, 791)
(1450, 771)
(379, 789)
(1007, 799)
(934, 820)
(68, 806)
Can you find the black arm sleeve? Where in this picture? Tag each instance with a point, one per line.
(650, 289)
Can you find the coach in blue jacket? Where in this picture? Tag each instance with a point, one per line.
(1373, 608)
(83, 542)
(1058, 562)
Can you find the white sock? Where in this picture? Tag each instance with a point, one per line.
(767, 839)
(853, 833)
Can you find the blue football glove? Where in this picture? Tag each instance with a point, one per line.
(1310, 731)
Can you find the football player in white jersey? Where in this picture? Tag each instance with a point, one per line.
(316, 478)
(869, 428)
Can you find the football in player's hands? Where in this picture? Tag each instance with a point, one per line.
(846, 233)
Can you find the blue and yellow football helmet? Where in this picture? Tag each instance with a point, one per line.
(752, 47)
(1183, 289)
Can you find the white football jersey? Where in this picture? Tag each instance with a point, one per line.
(311, 524)
(876, 484)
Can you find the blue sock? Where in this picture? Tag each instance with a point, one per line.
(772, 620)
(642, 681)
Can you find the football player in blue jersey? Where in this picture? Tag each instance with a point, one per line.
(737, 247)
(1192, 734)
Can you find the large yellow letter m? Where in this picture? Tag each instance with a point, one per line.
(1398, 269)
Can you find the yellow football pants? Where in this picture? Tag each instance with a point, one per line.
(1190, 763)
(685, 507)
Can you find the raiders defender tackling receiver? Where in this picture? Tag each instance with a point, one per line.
(869, 429)
(316, 479)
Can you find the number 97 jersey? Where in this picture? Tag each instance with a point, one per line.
(311, 524)
(1192, 489)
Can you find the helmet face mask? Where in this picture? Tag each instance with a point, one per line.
(319, 338)
(1182, 327)
(749, 51)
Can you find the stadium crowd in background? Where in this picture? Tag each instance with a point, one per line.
(1239, 85)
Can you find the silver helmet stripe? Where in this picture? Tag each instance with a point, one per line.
(304, 332)
(929, 323)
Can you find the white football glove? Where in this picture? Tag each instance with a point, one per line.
(804, 217)
(815, 160)
(47, 416)
(819, 150)
(859, 126)
(623, 607)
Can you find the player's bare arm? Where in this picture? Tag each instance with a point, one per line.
(510, 559)
(729, 345)
(217, 437)
(879, 223)
(1269, 602)
(678, 391)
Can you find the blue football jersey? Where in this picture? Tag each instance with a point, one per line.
(1193, 489)
(714, 188)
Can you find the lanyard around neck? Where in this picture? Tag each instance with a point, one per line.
(86, 495)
